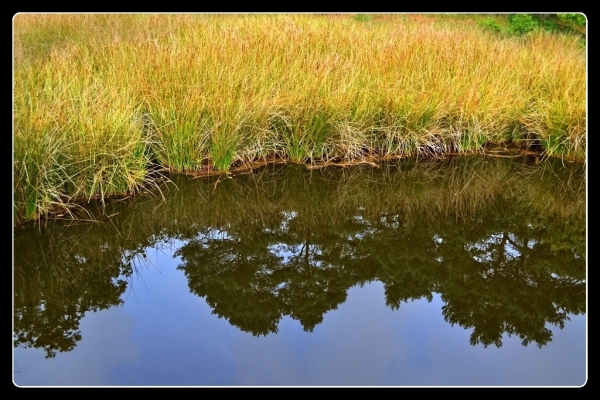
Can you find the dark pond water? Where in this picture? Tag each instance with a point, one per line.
(469, 271)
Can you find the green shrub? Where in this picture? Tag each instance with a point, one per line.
(490, 24)
(522, 23)
(578, 19)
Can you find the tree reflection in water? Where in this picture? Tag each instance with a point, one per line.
(502, 242)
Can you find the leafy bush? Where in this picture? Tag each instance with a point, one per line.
(522, 23)
(490, 24)
(578, 19)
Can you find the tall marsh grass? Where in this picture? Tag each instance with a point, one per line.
(98, 98)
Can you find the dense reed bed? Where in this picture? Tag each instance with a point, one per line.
(98, 99)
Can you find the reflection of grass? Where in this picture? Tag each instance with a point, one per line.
(97, 97)
(414, 192)
(561, 192)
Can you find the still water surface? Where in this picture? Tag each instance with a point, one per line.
(469, 271)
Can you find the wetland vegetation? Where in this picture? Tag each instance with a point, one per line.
(103, 104)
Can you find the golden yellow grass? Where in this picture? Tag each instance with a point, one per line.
(97, 98)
